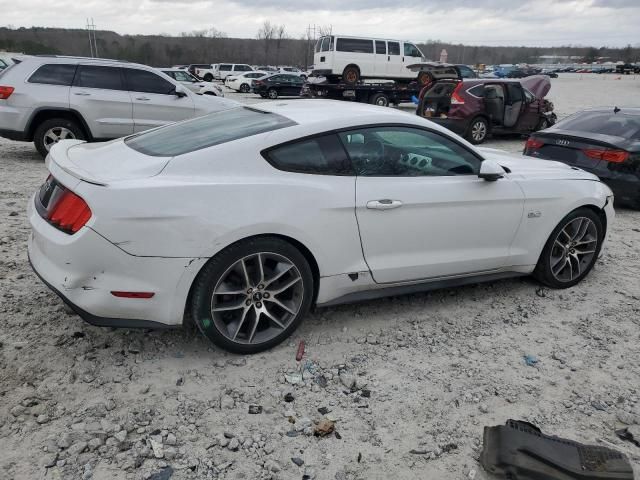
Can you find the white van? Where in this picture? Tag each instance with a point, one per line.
(355, 58)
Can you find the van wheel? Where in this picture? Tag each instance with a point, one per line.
(208, 77)
(478, 131)
(380, 99)
(424, 78)
(51, 131)
(244, 88)
(351, 75)
(272, 93)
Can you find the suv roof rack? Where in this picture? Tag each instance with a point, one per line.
(82, 58)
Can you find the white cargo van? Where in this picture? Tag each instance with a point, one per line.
(355, 58)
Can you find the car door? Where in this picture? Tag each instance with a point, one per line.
(422, 210)
(514, 103)
(411, 56)
(154, 100)
(530, 116)
(394, 60)
(98, 93)
(380, 58)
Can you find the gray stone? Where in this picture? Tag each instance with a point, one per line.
(627, 418)
(171, 439)
(95, 443)
(18, 410)
(234, 445)
(298, 461)
(42, 419)
(77, 448)
(49, 460)
(156, 447)
(227, 402)
(121, 436)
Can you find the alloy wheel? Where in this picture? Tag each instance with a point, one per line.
(257, 298)
(573, 249)
(478, 131)
(273, 94)
(55, 134)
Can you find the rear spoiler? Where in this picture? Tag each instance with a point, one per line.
(59, 157)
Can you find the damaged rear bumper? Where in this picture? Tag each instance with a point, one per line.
(84, 268)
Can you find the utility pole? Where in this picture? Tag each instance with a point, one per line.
(90, 39)
(93, 44)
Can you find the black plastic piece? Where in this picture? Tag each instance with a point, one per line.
(520, 451)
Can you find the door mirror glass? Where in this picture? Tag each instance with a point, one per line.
(490, 171)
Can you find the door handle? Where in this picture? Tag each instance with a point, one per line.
(82, 94)
(384, 204)
(145, 99)
(388, 58)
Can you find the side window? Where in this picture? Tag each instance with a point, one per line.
(381, 47)
(147, 82)
(54, 74)
(354, 45)
(92, 76)
(394, 48)
(243, 68)
(411, 51)
(320, 156)
(225, 68)
(477, 91)
(407, 152)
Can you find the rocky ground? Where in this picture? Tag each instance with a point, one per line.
(395, 387)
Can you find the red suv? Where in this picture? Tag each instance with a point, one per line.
(475, 108)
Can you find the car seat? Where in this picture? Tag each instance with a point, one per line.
(494, 105)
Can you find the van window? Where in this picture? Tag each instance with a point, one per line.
(225, 67)
(243, 68)
(381, 47)
(327, 44)
(54, 74)
(411, 50)
(394, 48)
(354, 45)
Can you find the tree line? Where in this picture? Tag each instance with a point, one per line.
(272, 46)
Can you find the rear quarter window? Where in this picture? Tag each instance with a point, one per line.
(214, 129)
(320, 156)
(477, 91)
(54, 74)
(354, 45)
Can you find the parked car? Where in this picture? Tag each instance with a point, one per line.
(194, 67)
(45, 99)
(354, 58)
(207, 73)
(479, 107)
(193, 83)
(293, 71)
(627, 69)
(266, 69)
(348, 203)
(242, 82)
(603, 141)
(226, 69)
(278, 85)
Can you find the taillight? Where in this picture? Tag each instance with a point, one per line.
(456, 99)
(70, 213)
(5, 92)
(613, 156)
(533, 144)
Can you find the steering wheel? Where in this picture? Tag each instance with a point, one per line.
(373, 157)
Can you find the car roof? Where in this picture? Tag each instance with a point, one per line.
(628, 110)
(49, 59)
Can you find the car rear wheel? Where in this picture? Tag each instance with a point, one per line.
(380, 99)
(351, 75)
(571, 250)
(51, 131)
(252, 295)
(272, 93)
(244, 88)
(478, 131)
(208, 77)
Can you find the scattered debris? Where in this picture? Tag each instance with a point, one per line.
(255, 409)
(630, 434)
(164, 474)
(289, 397)
(298, 461)
(300, 352)
(324, 428)
(530, 360)
(293, 378)
(323, 410)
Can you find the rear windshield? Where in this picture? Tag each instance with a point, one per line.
(605, 123)
(203, 132)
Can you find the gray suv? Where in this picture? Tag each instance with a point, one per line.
(45, 99)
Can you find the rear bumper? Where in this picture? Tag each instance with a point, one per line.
(84, 268)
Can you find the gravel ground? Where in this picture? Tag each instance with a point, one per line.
(409, 381)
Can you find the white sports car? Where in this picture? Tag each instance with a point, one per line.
(246, 218)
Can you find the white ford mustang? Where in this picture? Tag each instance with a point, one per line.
(247, 217)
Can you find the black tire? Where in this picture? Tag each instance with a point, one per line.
(42, 144)
(543, 272)
(245, 88)
(478, 130)
(379, 99)
(215, 269)
(208, 77)
(272, 93)
(351, 75)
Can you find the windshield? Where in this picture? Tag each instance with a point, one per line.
(606, 123)
(207, 131)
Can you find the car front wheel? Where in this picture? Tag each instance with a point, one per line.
(252, 295)
(51, 131)
(571, 250)
(244, 88)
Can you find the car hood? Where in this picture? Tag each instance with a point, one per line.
(104, 163)
(529, 167)
(539, 85)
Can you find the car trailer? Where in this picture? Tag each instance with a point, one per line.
(382, 94)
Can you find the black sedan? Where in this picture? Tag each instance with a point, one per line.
(278, 85)
(603, 141)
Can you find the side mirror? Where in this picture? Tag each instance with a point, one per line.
(179, 91)
(490, 171)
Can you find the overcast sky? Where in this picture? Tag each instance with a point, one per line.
(489, 22)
